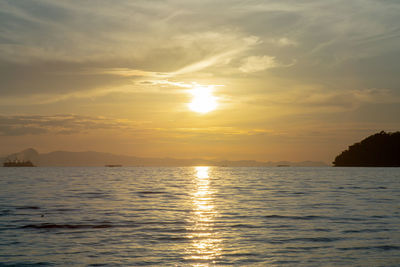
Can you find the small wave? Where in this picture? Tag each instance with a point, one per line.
(161, 223)
(25, 264)
(317, 239)
(385, 247)
(27, 208)
(61, 210)
(169, 230)
(345, 219)
(348, 187)
(5, 212)
(177, 238)
(242, 225)
(321, 230)
(103, 225)
(378, 187)
(299, 193)
(95, 195)
(282, 226)
(308, 239)
(365, 231)
(357, 187)
(242, 255)
(307, 248)
(379, 217)
(308, 217)
(66, 226)
(151, 192)
(285, 262)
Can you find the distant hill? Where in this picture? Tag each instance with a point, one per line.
(378, 150)
(92, 158)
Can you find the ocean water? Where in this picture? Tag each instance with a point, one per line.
(200, 216)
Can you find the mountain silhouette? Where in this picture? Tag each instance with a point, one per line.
(378, 150)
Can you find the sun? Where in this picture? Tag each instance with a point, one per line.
(203, 100)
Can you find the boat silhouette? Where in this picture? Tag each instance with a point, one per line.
(18, 163)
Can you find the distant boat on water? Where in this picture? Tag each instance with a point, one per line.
(18, 163)
(113, 165)
(282, 165)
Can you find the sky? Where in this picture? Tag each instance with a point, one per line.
(227, 79)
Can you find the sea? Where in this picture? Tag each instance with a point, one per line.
(199, 216)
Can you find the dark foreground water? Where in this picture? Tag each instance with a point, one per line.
(200, 216)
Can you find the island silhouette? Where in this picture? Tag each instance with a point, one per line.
(378, 150)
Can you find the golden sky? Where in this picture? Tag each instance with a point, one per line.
(263, 80)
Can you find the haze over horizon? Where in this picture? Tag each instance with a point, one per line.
(234, 80)
(100, 159)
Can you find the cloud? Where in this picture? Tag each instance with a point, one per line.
(181, 38)
(186, 85)
(286, 42)
(130, 32)
(304, 100)
(223, 131)
(135, 30)
(124, 72)
(16, 125)
(258, 63)
(69, 124)
(84, 55)
(54, 78)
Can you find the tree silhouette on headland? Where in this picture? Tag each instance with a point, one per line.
(378, 150)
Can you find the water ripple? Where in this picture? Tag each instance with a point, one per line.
(203, 216)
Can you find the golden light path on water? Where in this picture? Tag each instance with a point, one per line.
(205, 246)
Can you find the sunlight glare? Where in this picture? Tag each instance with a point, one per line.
(203, 100)
(202, 172)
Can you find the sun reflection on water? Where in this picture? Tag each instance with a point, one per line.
(205, 246)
